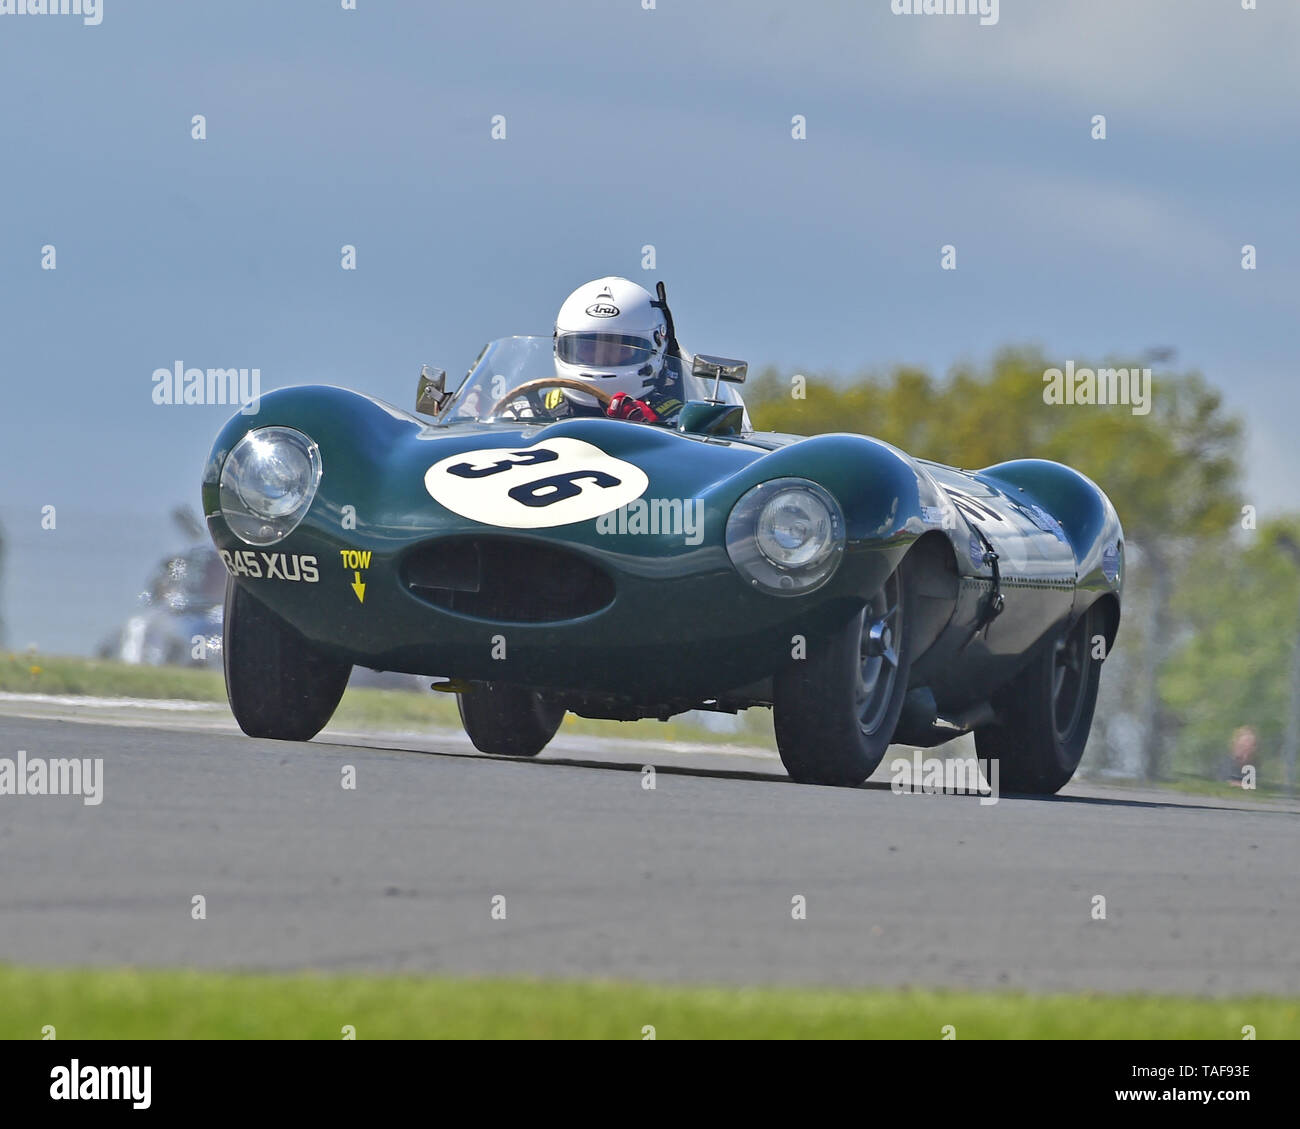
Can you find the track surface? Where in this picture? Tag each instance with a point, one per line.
(692, 881)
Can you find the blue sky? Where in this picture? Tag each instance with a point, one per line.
(625, 127)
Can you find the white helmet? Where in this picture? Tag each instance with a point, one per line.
(609, 333)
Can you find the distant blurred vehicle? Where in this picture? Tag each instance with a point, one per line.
(179, 623)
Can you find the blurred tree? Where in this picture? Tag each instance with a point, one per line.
(1237, 661)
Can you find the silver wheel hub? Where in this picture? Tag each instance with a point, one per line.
(878, 670)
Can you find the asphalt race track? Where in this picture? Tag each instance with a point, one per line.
(691, 881)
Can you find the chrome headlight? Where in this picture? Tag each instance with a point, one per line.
(268, 482)
(786, 536)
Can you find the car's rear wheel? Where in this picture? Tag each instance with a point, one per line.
(279, 684)
(1045, 714)
(835, 711)
(508, 721)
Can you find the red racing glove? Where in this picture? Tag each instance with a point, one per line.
(626, 407)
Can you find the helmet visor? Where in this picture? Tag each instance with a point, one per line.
(603, 350)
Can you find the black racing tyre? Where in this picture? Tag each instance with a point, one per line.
(508, 721)
(279, 685)
(835, 711)
(1045, 714)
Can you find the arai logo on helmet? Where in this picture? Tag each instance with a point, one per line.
(603, 306)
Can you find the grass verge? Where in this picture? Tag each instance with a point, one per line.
(136, 1004)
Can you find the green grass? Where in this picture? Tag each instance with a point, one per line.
(361, 709)
(1205, 787)
(129, 1004)
(55, 674)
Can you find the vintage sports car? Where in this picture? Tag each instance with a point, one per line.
(625, 570)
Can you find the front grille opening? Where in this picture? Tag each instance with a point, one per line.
(507, 581)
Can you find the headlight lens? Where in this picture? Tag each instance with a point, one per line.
(786, 536)
(268, 482)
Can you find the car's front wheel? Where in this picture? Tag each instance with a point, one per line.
(835, 711)
(279, 685)
(1045, 715)
(508, 721)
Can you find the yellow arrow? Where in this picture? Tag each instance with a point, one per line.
(359, 588)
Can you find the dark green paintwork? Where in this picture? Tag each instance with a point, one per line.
(683, 626)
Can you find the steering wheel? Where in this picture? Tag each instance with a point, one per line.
(530, 388)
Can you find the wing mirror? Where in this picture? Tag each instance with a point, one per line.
(431, 396)
(719, 369)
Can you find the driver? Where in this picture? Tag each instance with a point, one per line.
(616, 336)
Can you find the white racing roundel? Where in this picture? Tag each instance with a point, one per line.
(555, 482)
